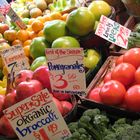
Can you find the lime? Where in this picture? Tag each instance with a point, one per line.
(99, 8)
(39, 61)
(80, 21)
(38, 46)
(25, 20)
(66, 42)
(54, 29)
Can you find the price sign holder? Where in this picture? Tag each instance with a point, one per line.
(113, 32)
(14, 60)
(37, 118)
(67, 72)
(16, 19)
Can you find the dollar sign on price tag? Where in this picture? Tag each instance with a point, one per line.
(14, 60)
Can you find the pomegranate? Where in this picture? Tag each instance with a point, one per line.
(28, 88)
(58, 104)
(67, 107)
(5, 128)
(62, 96)
(23, 75)
(42, 74)
(1, 103)
(10, 99)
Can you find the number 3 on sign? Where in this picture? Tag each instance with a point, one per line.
(60, 82)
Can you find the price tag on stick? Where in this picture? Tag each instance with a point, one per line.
(37, 118)
(67, 72)
(14, 60)
(113, 32)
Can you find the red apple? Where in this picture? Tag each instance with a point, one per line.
(28, 88)
(1, 103)
(3, 27)
(23, 75)
(94, 95)
(67, 107)
(62, 96)
(5, 128)
(10, 99)
(58, 104)
(42, 74)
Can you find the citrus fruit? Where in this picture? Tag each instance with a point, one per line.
(25, 20)
(99, 8)
(80, 21)
(38, 46)
(66, 42)
(39, 61)
(54, 29)
(22, 35)
(37, 26)
(16, 42)
(27, 50)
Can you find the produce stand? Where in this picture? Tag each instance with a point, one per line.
(41, 94)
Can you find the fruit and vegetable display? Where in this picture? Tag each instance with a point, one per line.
(97, 125)
(66, 24)
(120, 86)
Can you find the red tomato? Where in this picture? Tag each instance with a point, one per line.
(132, 56)
(112, 93)
(137, 75)
(94, 94)
(132, 98)
(107, 77)
(123, 73)
(119, 60)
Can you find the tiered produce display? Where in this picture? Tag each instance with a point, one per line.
(65, 24)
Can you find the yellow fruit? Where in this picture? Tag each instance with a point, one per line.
(37, 26)
(23, 35)
(35, 12)
(2, 91)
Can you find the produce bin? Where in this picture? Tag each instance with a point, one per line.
(98, 79)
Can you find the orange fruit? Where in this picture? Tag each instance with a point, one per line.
(29, 28)
(16, 42)
(32, 35)
(47, 18)
(40, 33)
(31, 21)
(41, 19)
(27, 50)
(22, 35)
(64, 16)
(27, 42)
(56, 15)
(10, 35)
(37, 26)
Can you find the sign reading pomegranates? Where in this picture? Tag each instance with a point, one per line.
(67, 72)
(14, 60)
(113, 32)
(37, 118)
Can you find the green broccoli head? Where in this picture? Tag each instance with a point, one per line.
(91, 112)
(73, 126)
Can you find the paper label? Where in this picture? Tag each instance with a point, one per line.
(37, 118)
(67, 72)
(4, 7)
(16, 19)
(2, 18)
(14, 59)
(113, 32)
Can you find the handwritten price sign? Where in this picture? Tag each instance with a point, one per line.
(67, 73)
(14, 59)
(4, 7)
(37, 118)
(113, 32)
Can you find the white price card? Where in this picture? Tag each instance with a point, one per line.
(67, 72)
(37, 118)
(16, 19)
(14, 59)
(4, 7)
(113, 32)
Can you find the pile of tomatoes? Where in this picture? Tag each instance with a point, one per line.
(121, 86)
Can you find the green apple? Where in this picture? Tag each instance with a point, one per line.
(91, 58)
